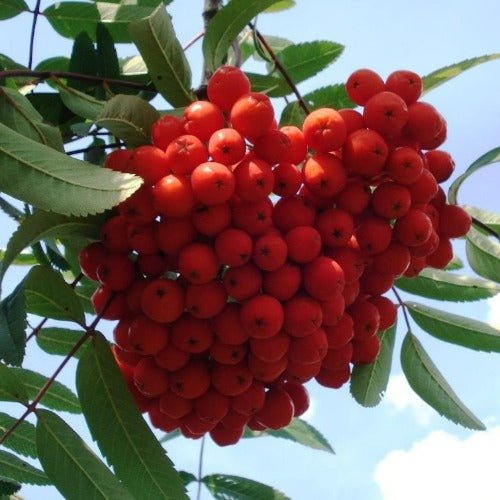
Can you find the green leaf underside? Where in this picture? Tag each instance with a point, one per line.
(446, 286)
(226, 487)
(427, 381)
(13, 327)
(129, 118)
(454, 264)
(11, 386)
(442, 75)
(57, 397)
(489, 218)
(19, 470)
(69, 19)
(59, 341)
(247, 46)
(73, 468)
(369, 382)
(11, 8)
(455, 329)
(22, 439)
(80, 103)
(54, 181)
(483, 255)
(492, 156)
(281, 5)
(121, 433)
(43, 225)
(18, 113)
(226, 25)
(298, 431)
(168, 67)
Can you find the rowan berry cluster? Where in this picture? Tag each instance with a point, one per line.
(255, 258)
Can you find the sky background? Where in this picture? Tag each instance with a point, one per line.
(401, 449)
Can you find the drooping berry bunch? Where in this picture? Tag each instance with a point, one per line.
(255, 258)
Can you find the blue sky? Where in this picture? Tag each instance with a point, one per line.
(402, 448)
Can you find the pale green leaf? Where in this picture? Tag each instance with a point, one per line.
(369, 382)
(226, 487)
(53, 181)
(279, 6)
(455, 264)
(455, 329)
(58, 341)
(11, 386)
(13, 327)
(443, 285)
(129, 118)
(168, 67)
(23, 259)
(490, 219)
(80, 103)
(19, 470)
(22, 439)
(225, 27)
(428, 382)
(121, 433)
(483, 255)
(73, 468)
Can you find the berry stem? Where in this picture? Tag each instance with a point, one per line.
(200, 467)
(403, 307)
(36, 13)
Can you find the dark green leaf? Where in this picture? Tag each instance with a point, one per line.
(121, 433)
(455, 329)
(10, 210)
(187, 477)
(129, 118)
(428, 382)
(107, 59)
(73, 468)
(80, 103)
(369, 382)
(57, 397)
(83, 60)
(55, 257)
(53, 111)
(12, 327)
(483, 255)
(225, 487)
(58, 341)
(19, 470)
(8, 487)
(442, 75)
(226, 25)
(96, 153)
(490, 219)
(298, 431)
(22, 439)
(11, 386)
(53, 181)
(492, 156)
(42, 225)
(11, 8)
(48, 295)
(58, 63)
(69, 19)
(267, 84)
(84, 291)
(17, 113)
(168, 67)
(443, 285)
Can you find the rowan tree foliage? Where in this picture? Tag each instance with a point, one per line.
(72, 132)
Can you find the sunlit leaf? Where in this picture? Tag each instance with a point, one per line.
(22, 439)
(428, 382)
(490, 219)
(483, 255)
(279, 6)
(226, 487)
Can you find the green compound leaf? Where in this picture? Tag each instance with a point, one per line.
(492, 156)
(369, 382)
(69, 19)
(225, 27)
(129, 118)
(11, 8)
(13, 327)
(442, 75)
(58, 396)
(483, 255)
(455, 329)
(121, 433)
(42, 225)
(168, 67)
(59, 341)
(22, 439)
(298, 431)
(19, 470)
(225, 487)
(73, 468)
(332, 96)
(48, 295)
(11, 386)
(443, 285)
(428, 382)
(17, 113)
(492, 220)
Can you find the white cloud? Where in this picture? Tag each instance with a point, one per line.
(443, 466)
(401, 397)
(494, 311)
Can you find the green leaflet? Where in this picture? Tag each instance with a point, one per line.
(428, 382)
(483, 255)
(226, 487)
(19, 470)
(369, 382)
(11, 8)
(22, 440)
(59, 341)
(13, 326)
(11, 386)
